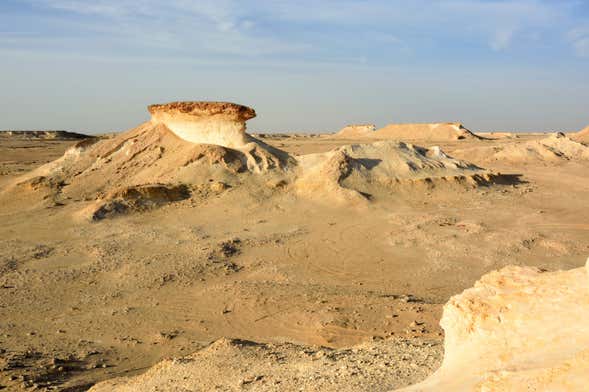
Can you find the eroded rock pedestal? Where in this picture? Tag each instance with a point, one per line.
(187, 148)
(220, 123)
(517, 329)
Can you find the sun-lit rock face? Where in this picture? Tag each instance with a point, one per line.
(356, 130)
(517, 329)
(362, 172)
(425, 131)
(221, 123)
(582, 136)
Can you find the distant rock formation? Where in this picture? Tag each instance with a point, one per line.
(582, 136)
(45, 135)
(498, 135)
(554, 148)
(517, 329)
(429, 132)
(356, 131)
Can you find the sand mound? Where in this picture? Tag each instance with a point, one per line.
(582, 136)
(358, 171)
(237, 365)
(565, 147)
(153, 154)
(356, 131)
(517, 329)
(431, 132)
(44, 135)
(137, 198)
(554, 148)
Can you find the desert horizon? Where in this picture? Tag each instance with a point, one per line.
(294, 196)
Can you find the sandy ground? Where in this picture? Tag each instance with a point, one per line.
(83, 302)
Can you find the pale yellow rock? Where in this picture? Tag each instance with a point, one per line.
(420, 131)
(425, 131)
(554, 148)
(358, 172)
(582, 136)
(357, 130)
(517, 329)
(220, 123)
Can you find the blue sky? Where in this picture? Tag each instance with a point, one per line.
(304, 66)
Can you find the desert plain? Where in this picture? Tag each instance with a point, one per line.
(188, 254)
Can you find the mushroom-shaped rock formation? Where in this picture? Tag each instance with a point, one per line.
(220, 123)
(517, 329)
(197, 144)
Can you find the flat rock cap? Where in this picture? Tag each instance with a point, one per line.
(204, 108)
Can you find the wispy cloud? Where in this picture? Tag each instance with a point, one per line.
(579, 38)
(582, 47)
(318, 30)
(495, 21)
(209, 26)
(373, 59)
(502, 39)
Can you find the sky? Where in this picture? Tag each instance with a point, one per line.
(305, 66)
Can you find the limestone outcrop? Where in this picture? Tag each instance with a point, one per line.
(431, 132)
(220, 123)
(426, 131)
(358, 172)
(356, 131)
(582, 136)
(554, 148)
(234, 365)
(517, 329)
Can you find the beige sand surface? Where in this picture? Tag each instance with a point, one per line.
(517, 329)
(245, 256)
